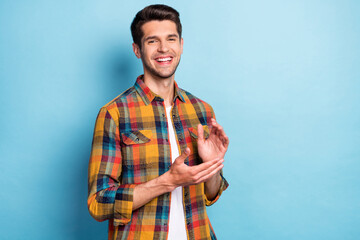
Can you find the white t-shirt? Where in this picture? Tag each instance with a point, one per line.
(177, 228)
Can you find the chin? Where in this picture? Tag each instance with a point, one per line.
(163, 75)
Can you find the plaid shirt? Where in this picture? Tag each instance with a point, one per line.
(131, 146)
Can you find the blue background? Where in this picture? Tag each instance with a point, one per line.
(282, 76)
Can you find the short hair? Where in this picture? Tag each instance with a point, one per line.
(158, 12)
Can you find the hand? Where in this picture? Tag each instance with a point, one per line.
(181, 174)
(215, 146)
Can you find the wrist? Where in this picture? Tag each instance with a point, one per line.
(209, 159)
(167, 181)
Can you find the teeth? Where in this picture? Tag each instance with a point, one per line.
(163, 59)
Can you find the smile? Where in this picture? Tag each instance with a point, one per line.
(164, 59)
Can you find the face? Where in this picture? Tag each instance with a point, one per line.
(161, 49)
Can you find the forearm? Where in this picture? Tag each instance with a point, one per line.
(145, 192)
(212, 186)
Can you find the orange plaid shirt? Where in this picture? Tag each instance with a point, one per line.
(131, 146)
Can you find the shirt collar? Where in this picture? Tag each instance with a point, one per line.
(148, 96)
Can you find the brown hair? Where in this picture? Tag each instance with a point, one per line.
(158, 12)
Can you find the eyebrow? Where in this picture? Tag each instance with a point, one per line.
(173, 35)
(154, 37)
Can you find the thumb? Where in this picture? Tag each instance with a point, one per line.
(180, 159)
(200, 132)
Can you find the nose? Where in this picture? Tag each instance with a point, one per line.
(163, 46)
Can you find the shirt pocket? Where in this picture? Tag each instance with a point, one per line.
(194, 134)
(136, 137)
(135, 149)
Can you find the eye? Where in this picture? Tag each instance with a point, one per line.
(172, 39)
(151, 41)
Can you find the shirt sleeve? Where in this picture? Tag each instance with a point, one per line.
(108, 198)
(223, 186)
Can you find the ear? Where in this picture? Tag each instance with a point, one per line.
(136, 50)
(182, 44)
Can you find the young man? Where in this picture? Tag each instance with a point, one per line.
(158, 152)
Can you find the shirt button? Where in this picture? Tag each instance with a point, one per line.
(137, 140)
(163, 115)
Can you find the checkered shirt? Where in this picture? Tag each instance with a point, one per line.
(131, 146)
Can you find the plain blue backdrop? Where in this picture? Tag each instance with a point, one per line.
(282, 76)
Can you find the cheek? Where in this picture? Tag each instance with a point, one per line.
(178, 49)
(146, 53)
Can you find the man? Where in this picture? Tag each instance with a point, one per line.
(138, 180)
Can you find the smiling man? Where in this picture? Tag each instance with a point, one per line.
(158, 152)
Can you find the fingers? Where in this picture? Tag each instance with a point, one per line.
(183, 175)
(206, 168)
(209, 172)
(213, 126)
(219, 132)
(208, 176)
(180, 159)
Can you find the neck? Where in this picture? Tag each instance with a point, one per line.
(164, 87)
